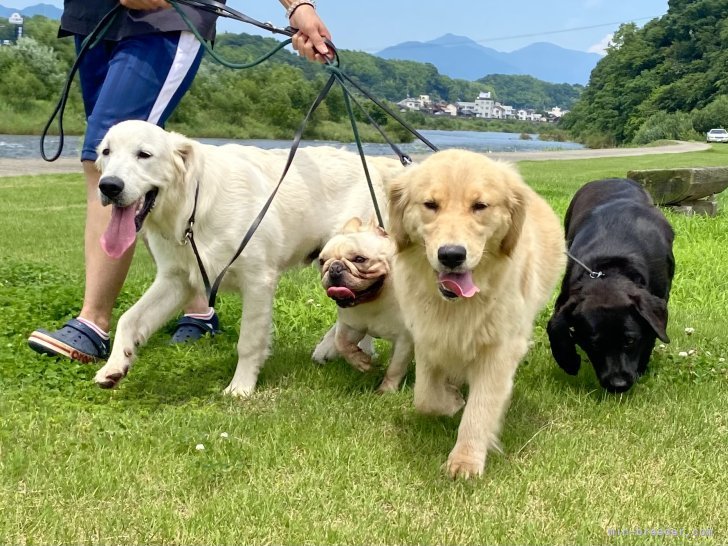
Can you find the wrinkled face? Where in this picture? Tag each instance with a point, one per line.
(615, 339)
(461, 208)
(355, 264)
(135, 158)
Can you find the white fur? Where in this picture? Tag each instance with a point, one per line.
(323, 188)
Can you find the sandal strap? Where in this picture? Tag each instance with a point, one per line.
(102, 346)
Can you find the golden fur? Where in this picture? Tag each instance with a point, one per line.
(515, 251)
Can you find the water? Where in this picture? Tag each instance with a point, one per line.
(23, 146)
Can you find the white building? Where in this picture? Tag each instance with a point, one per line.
(484, 105)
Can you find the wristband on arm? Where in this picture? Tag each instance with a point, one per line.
(297, 4)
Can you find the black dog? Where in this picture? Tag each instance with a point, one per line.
(614, 303)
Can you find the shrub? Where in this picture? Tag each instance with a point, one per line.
(664, 126)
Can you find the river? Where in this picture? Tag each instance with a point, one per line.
(24, 146)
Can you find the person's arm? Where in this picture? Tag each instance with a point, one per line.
(309, 40)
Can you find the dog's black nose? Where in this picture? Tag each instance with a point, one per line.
(451, 255)
(111, 186)
(617, 383)
(336, 269)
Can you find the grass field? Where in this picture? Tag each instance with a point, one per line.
(314, 456)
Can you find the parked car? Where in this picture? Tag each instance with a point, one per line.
(717, 135)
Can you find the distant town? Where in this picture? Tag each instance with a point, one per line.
(483, 107)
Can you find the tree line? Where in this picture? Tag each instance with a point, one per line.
(666, 80)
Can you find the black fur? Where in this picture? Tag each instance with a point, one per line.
(612, 226)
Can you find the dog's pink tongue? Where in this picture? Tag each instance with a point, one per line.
(339, 292)
(460, 284)
(121, 231)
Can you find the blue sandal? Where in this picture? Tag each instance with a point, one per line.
(74, 340)
(191, 329)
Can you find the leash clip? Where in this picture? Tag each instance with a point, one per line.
(188, 234)
(596, 274)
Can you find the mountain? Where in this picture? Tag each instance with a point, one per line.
(46, 10)
(461, 57)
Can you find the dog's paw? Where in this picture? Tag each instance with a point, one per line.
(443, 401)
(324, 352)
(111, 374)
(239, 391)
(388, 385)
(463, 463)
(359, 361)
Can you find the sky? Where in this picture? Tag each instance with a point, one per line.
(372, 25)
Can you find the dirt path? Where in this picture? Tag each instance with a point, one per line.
(20, 167)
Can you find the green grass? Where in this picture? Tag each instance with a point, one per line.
(314, 456)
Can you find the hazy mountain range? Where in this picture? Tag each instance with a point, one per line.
(46, 10)
(460, 57)
(455, 56)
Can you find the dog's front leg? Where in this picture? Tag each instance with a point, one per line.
(490, 384)
(326, 348)
(347, 343)
(402, 354)
(255, 331)
(434, 395)
(156, 306)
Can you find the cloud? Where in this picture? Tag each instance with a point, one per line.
(601, 46)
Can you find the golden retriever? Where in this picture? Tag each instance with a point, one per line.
(479, 254)
(151, 178)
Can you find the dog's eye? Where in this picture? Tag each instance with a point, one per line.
(431, 205)
(141, 154)
(322, 262)
(105, 151)
(360, 259)
(479, 206)
(629, 342)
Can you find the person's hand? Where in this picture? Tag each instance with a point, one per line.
(309, 40)
(145, 4)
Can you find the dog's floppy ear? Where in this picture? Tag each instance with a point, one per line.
(398, 195)
(186, 160)
(517, 208)
(562, 343)
(654, 311)
(352, 226)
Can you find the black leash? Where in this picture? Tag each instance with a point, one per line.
(91, 40)
(212, 289)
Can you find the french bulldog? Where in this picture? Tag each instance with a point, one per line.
(355, 266)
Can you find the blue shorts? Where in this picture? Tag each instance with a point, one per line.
(140, 77)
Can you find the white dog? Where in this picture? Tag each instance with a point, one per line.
(151, 177)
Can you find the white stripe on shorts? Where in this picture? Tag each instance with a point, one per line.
(187, 49)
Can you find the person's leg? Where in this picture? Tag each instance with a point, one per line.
(104, 275)
(139, 78)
